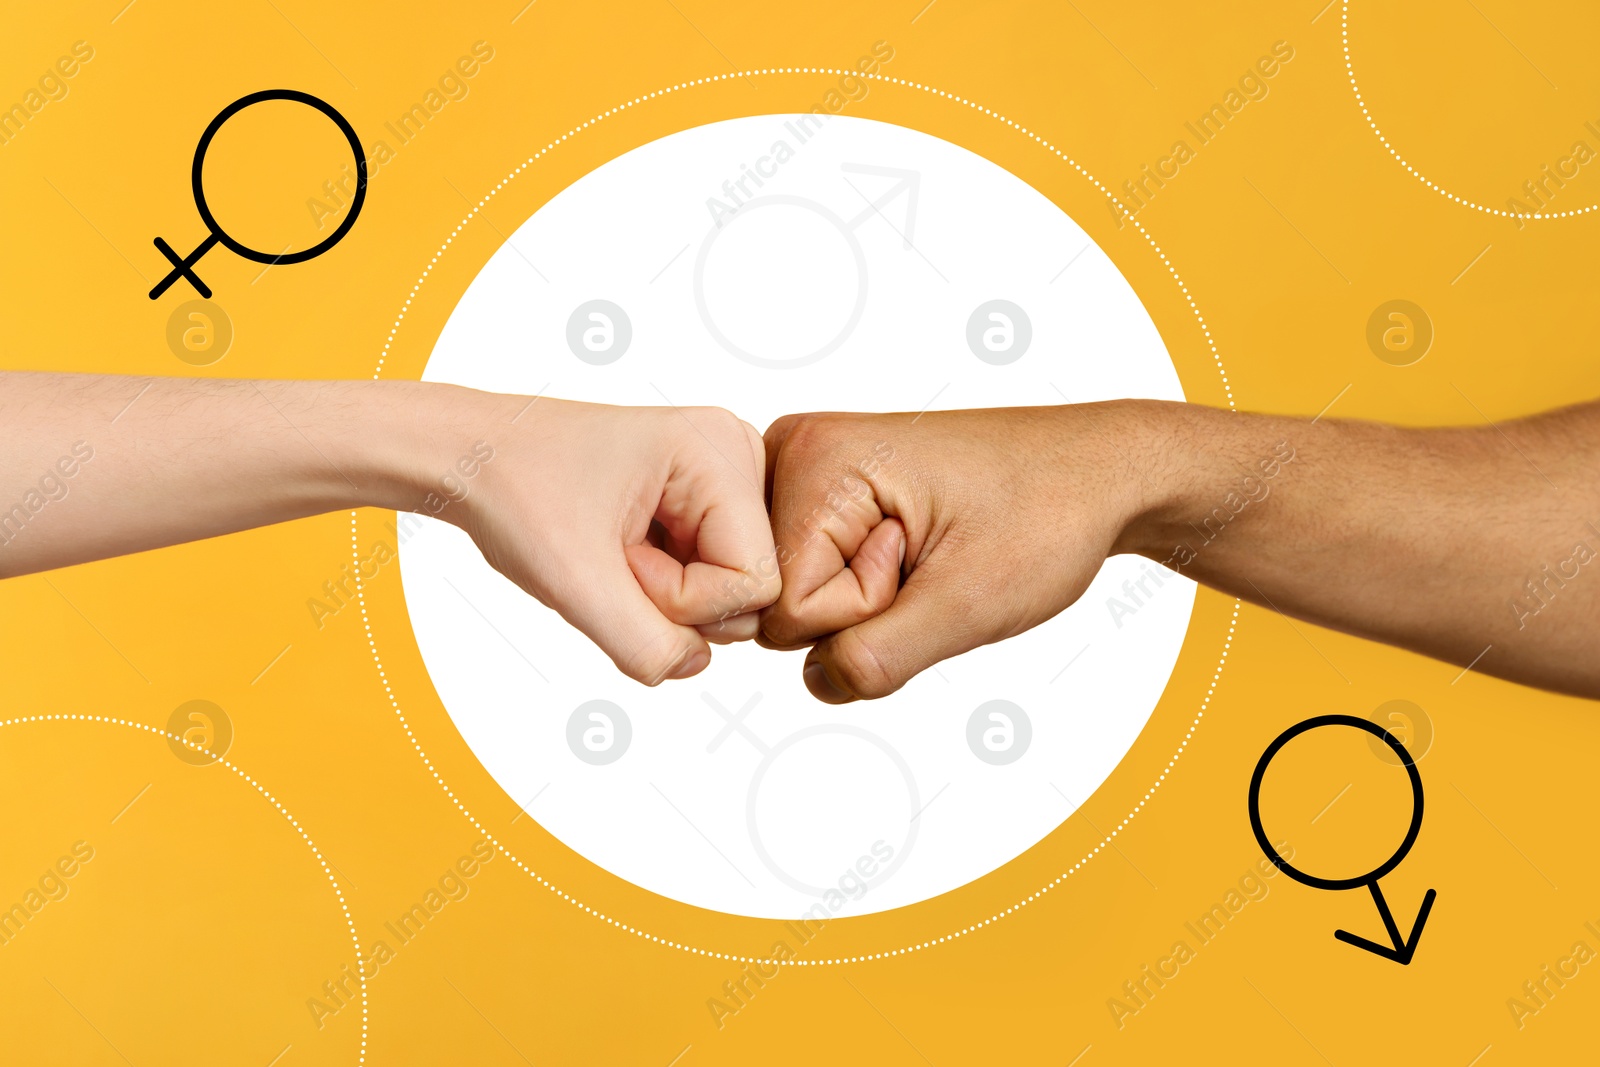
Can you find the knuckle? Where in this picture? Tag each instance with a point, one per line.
(650, 662)
(755, 588)
(779, 624)
(648, 670)
(862, 668)
(728, 631)
(769, 588)
(878, 596)
(779, 429)
(805, 474)
(807, 440)
(717, 422)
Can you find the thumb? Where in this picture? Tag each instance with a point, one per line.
(616, 614)
(926, 623)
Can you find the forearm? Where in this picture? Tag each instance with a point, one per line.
(1449, 542)
(94, 466)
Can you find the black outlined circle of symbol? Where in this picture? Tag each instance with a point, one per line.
(1416, 802)
(184, 267)
(1401, 949)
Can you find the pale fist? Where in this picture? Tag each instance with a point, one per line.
(643, 527)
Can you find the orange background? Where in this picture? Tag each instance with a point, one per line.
(203, 923)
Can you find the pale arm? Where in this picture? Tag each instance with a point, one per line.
(97, 465)
(643, 527)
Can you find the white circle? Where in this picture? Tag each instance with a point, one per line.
(671, 817)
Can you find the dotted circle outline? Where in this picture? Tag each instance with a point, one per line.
(343, 905)
(1344, 34)
(383, 676)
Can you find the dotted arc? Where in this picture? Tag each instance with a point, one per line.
(1349, 66)
(327, 871)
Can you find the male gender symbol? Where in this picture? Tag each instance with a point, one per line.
(1400, 950)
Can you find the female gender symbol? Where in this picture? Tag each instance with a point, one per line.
(183, 267)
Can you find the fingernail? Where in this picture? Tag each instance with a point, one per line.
(821, 686)
(692, 666)
(902, 562)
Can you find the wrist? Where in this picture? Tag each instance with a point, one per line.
(1147, 461)
(403, 445)
(1201, 470)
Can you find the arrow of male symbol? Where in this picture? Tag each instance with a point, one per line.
(1400, 950)
(908, 182)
